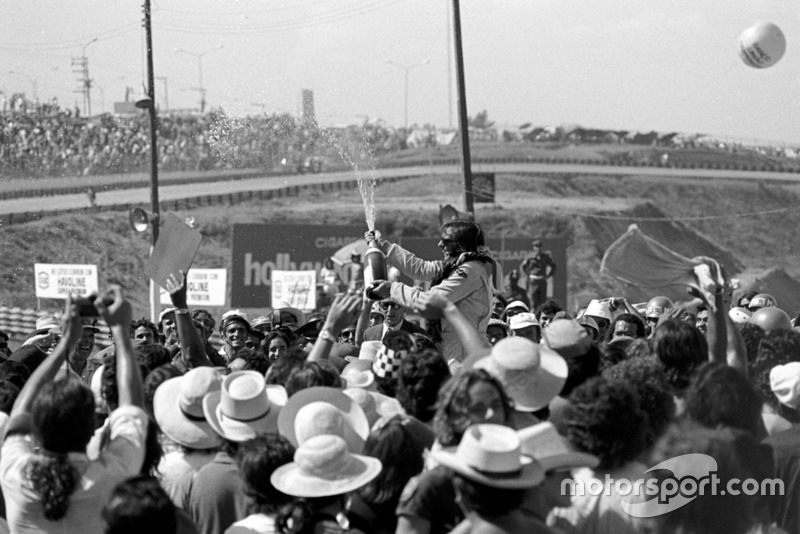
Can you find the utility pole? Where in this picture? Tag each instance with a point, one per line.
(80, 66)
(151, 108)
(463, 121)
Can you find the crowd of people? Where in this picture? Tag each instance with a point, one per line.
(439, 408)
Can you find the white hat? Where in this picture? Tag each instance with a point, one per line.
(375, 405)
(323, 410)
(517, 304)
(283, 306)
(323, 467)
(599, 308)
(492, 455)
(369, 350)
(178, 408)
(739, 315)
(358, 374)
(531, 374)
(164, 313)
(543, 442)
(242, 409)
(784, 381)
(522, 320)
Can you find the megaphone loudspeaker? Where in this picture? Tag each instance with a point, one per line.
(139, 220)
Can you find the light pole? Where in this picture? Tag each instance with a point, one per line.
(406, 69)
(199, 56)
(34, 84)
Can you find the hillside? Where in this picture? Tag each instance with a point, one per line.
(748, 226)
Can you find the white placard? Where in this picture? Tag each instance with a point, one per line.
(206, 287)
(297, 288)
(57, 281)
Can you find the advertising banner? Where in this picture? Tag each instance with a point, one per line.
(205, 287)
(57, 281)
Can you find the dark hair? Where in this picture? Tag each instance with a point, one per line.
(145, 323)
(402, 457)
(138, 505)
(466, 233)
(108, 383)
(748, 296)
(418, 382)
(281, 368)
(549, 306)
(301, 515)
(256, 459)
(155, 378)
(604, 419)
(151, 356)
(581, 369)
(15, 372)
(681, 348)
(776, 348)
(312, 374)
(647, 378)
(638, 348)
(8, 395)
(612, 354)
(205, 317)
(711, 512)
(641, 329)
(721, 395)
(452, 406)
(63, 415)
(487, 501)
(752, 334)
(254, 360)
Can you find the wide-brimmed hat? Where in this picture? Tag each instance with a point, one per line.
(567, 337)
(784, 381)
(323, 467)
(178, 408)
(358, 374)
(323, 410)
(492, 455)
(242, 409)
(286, 307)
(375, 405)
(531, 374)
(46, 325)
(545, 445)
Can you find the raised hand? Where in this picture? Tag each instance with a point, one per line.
(432, 305)
(113, 307)
(176, 287)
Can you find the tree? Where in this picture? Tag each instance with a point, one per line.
(481, 121)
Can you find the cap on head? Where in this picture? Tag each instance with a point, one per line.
(657, 306)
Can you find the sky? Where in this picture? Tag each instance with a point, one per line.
(618, 64)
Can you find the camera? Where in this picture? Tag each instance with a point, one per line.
(86, 306)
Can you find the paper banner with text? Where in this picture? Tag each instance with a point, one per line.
(298, 288)
(57, 281)
(205, 287)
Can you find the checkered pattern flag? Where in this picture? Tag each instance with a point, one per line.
(387, 361)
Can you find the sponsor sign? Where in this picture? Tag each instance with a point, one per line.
(205, 287)
(297, 288)
(57, 281)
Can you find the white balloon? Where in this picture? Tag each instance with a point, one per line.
(762, 45)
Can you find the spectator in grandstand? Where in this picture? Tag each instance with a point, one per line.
(464, 276)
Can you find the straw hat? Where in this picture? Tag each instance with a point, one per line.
(243, 408)
(784, 381)
(178, 408)
(375, 405)
(322, 410)
(491, 455)
(598, 308)
(358, 374)
(323, 467)
(567, 337)
(544, 444)
(531, 374)
(283, 306)
(369, 349)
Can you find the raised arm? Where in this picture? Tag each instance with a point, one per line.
(342, 313)
(71, 329)
(193, 350)
(117, 314)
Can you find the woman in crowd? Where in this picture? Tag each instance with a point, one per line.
(428, 503)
